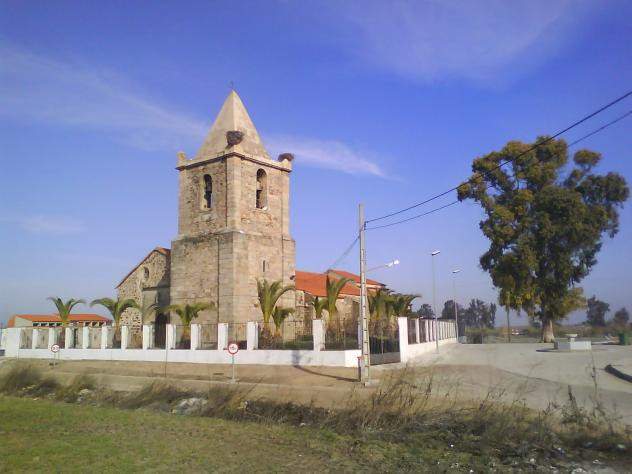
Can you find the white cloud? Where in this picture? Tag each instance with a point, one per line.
(36, 88)
(434, 40)
(329, 154)
(51, 225)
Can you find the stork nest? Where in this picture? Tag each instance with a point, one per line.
(234, 137)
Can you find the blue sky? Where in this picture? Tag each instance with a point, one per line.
(384, 103)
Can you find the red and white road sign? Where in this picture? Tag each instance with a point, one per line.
(54, 348)
(233, 348)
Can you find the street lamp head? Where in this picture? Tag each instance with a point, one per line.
(394, 262)
(456, 271)
(436, 252)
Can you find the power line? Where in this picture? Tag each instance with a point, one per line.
(573, 125)
(344, 254)
(413, 217)
(588, 135)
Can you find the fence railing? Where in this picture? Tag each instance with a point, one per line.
(289, 335)
(94, 337)
(341, 335)
(208, 336)
(412, 331)
(384, 338)
(238, 332)
(182, 337)
(134, 337)
(77, 338)
(26, 338)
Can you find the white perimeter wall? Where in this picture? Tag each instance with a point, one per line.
(445, 332)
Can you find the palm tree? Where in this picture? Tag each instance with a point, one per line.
(64, 309)
(187, 313)
(116, 307)
(146, 311)
(319, 306)
(333, 288)
(278, 316)
(379, 308)
(401, 303)
(269, 294)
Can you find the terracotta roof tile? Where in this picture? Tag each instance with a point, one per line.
(355, 277)
(316, 284)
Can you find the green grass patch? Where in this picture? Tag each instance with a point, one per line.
(398, 427)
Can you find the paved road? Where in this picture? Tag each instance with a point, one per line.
(534, 373)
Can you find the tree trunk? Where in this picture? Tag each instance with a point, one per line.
(547, 330)
(508, 326)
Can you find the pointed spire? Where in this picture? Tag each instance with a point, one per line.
(233, 117)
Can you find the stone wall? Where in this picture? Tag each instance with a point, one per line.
(193, 216)
(219, 254)
(147, 284)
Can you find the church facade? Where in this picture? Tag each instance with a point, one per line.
(233, 229)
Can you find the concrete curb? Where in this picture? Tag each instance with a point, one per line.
(617, 373)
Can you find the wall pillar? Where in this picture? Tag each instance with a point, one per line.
(34, 336)
(402, 323)
(222, 336)
(124, 336)
(85, 337)
(318, 334)
(170, 342)
(417, 335)
(252, 336)
(147, 339)
(69, 342)
(52, 337)
(195, 337)
(105, 331)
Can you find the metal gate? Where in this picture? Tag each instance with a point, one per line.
(384, 344)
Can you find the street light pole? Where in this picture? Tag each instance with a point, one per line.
(366, 359)
(456, 310)
(434, 299)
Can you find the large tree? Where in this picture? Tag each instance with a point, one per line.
(596, 314)
(425, 311)
(621, 317)
(480, 315)
(545, 221)
(448, 310)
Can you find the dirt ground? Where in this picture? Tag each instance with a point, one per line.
(527, 372)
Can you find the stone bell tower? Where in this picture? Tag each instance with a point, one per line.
(233, 225)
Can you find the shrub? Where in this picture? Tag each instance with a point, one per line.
(27, 380)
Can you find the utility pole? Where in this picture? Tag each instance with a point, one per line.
(366, 358)
(456, 310)
(434, 300)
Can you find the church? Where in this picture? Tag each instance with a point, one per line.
(233, 229)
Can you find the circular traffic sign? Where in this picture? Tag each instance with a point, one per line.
(54, 348)
(233, 348)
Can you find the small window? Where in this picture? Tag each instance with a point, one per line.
(146, 273)
(208, 191)
(264, 266)
(262, 190)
